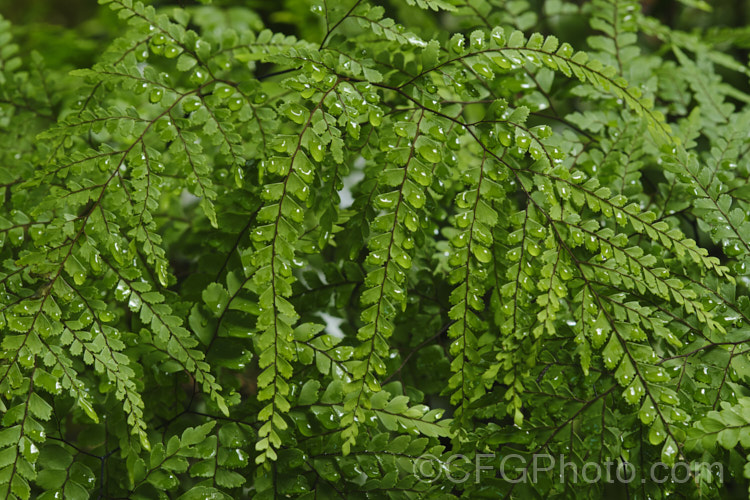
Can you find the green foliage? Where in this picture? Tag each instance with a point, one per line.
(318, 251)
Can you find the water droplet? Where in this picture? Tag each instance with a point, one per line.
(458, 43)
(316, 149)
(282, 144)
(416, 199)
(317, 73)
(297, 113)
(353, 128)
(198, 76)
(235, 103)
(305, 174)
(159, 39)
(482, 254)
(647, 413)
(376, 117)
(171, 51)
(106, 316)
(156, 95)
(122, 291)
(161, 272)
(402, 259)
(135, 302)
(224, 92)
(505, 138)
(483, 70)
(190, 104)
(430, 153)
(79, 278)
(307, 91)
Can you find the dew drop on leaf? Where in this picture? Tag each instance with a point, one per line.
(316, 149)
(171, 51)
(159, 39)
(156, 95)
(224, 92)
(106, 316)
(647, 412)
(134, 303)
(122, 291)
(79, 278)
(190, 104)
(523, 142)
(403, 259)
(430, 153)
(482, 254)
(376, 117)
(483, 70)
(235, 103)
(297, 113)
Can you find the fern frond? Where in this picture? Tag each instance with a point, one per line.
(618, 21)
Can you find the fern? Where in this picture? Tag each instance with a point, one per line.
(365, 249)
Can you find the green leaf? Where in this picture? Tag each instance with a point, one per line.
(249, 249)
